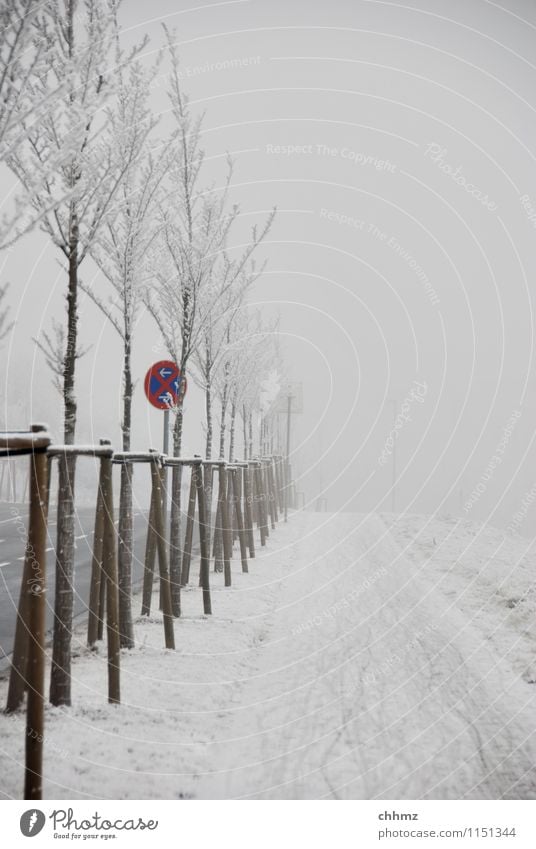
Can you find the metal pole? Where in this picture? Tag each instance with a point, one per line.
(165, 450)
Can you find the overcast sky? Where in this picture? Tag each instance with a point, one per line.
(397, 142)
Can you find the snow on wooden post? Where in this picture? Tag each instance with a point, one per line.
(188, 537)
(109, 568)
(148, 569)
(239, 519)
(197, 471)
(248, 512)
(158, 484)
(94, 612)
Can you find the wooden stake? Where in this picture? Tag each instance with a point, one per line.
(157, 478)
(187, 553)
(96, 573)
(248, 512)
(205, 551)
(109, 568)
(226, 528)
(148, 568)
(35, 589)
(240, 520)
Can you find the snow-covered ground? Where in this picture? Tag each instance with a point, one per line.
(361, 657)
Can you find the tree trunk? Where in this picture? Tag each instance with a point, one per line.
(175, 521)
(208, 410)
(125, 526)
(60, 678)
(232, 431)
(124, 558)
(222, 423)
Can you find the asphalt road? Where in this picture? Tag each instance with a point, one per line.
(13, 520)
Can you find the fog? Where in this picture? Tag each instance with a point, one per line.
(397, 143)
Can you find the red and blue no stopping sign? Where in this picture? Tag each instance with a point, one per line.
(165, 387)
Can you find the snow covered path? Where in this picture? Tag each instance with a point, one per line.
(335, 668)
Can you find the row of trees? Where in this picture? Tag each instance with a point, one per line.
(103, 181)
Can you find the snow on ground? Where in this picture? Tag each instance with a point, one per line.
(361, 657)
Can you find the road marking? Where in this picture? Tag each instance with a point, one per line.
(2, 540)
(50, 549)
(4, 564)
(82, 536)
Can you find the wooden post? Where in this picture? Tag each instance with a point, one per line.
(102, 608)
(218, 526)
(36, 588)
(263, 506)
(240, 519)
(226, 528)
(109, 568)
(187, 553)
(248, 512)
(17, 674)
(96, 575)
(270, 504)
(279, 484)
(273, 492)
(148, 566)
(157, 479)
(257, 501)
(197, 471)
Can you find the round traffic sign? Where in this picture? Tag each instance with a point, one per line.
(165, 387)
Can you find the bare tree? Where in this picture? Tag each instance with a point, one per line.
(73, 200)
(250, 355)
(119, 250)
(194, 271)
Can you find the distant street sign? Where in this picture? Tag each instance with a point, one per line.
(164, 385)
(295, 392)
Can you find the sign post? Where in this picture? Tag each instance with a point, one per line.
(165, 387)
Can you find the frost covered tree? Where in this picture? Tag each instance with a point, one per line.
(120, 249)
(19, 55)
(252, 355)
(213, 351)
(72, 201)
(254, 363)
(5, 324)
(20, 52)
(194, 272)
